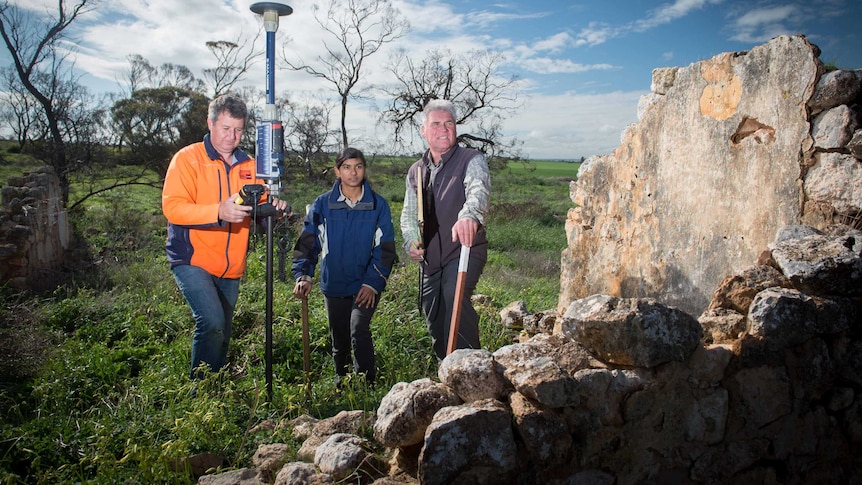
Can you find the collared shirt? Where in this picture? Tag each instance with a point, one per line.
(346, 200)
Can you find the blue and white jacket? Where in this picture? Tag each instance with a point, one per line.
(355, 245)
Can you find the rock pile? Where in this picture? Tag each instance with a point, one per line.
(764, 387)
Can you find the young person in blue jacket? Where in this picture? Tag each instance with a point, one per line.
(349, 231)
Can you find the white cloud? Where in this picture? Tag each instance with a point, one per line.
(545, 65)
(670, 12)
(573, 125)
(762, 24)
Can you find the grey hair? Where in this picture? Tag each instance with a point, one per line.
(439, 105)
(234, 106)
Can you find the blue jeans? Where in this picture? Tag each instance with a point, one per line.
(212, 301)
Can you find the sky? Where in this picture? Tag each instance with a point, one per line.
(582, 65)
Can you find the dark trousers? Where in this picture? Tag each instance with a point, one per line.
(438, 299)
(350, 328)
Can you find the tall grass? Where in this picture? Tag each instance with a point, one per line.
(100, 394)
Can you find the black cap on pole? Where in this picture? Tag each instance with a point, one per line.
(280, 8)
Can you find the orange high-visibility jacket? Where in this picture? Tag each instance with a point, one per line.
(196, 182)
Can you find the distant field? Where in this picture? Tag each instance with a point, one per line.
(545, 168)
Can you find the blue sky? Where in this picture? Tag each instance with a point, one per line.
(583, 65)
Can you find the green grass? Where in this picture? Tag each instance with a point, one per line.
(99, 391)
(545, 168)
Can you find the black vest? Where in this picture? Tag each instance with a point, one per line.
(442, 202)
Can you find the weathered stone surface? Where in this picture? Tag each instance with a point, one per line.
(836, 178)
(721, 324)
(821, 264)
(406, 411)
(535, 374)
(473, 375)
(855, 145)
(782, 317)
(270, 458)
(833, 129)
(303, 426)
(543, 431)
(35, 224)
(764, 393)
(301, 473)
(243, 476)
(471, 443)
(631, 331)
(699, 185)
(708, 365)
(836, 88)
(343, 455)
(513, 315)
(736, 292)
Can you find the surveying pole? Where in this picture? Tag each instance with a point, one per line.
(269, 154)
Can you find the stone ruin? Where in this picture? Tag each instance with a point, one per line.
(621, 384)
(764, 387)
(34, 230)
(726, 152)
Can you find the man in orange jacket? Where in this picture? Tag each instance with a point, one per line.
(208, 230)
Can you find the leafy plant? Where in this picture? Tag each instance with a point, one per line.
(106, 396)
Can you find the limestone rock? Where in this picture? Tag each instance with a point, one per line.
(243, 476)
(833, 129)
(473, 375)
(721, 325)
(822, 265)
(836, 178)
(699, 185)
(301, 473)
(836, 88)
(631, 331)
(408, 409)
(343, 455)
(736, 292)
(536, 375)
(471, 443)
(543, 431)
(270, 458)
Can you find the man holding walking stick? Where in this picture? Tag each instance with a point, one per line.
(456, 188)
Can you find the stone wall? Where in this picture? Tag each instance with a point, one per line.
(725, 153)
(34, 231)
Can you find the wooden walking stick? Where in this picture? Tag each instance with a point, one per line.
(420, 215)
(306, 340)
(459, 297)
(306, 343)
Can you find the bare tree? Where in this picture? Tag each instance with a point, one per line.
(307, 134)
(37, 55)
(233, 61)
(472, 80)
(20, 110)
(140, 74)
(358, 29)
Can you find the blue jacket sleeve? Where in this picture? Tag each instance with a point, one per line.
(383, 255)
(307, 249)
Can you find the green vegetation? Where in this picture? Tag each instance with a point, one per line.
(93, 384)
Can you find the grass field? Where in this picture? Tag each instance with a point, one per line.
(99, 392)
(545, 168)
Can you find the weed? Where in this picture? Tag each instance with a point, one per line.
(102, 393)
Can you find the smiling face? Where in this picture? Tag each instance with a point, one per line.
(439, 132)
(225, 134)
